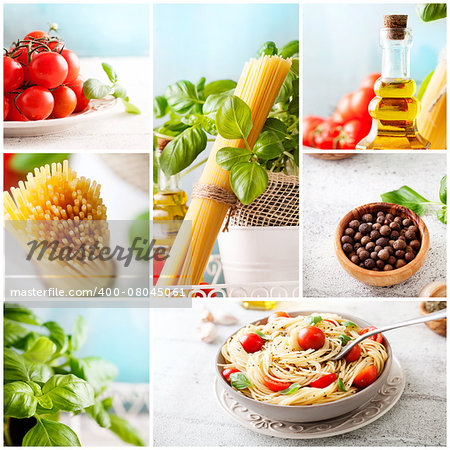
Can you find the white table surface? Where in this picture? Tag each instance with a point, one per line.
(113, 130)
(186, 412)
(333, 188)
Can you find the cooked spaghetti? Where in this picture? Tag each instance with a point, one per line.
(281, 371)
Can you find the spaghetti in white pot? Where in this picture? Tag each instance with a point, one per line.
(287, 361)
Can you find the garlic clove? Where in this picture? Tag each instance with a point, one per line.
(224, 318)
(207, 332)
(206, 316)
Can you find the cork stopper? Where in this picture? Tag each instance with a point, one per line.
(396, 23)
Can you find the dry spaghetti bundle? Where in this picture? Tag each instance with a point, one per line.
(258, 87)
(64, 217)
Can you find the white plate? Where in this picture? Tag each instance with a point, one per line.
(387, 397)
(52, 126)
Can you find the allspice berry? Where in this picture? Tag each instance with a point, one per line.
(409, 256)
(363, 255)
(388, 267)
(407, 222)
(400, 263)
(369, 263)
(347, 248)
(364, 228)
(355, 259)
(415, 244)
(399, 244)
(349, 232)
(354, 224)
(383, 255)
(347, 240)
(365, 240)
(367, 218)
(385, 230)
(374, 234)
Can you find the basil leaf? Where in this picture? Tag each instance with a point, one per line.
(344, 339)
(99, 414)
(41, 350)
(17, 368)
(287, 88)
(347, 323)
(341, 385)
(227, 157)
(442, 214)
(234, 118)
(125, 431)
(292, 389)
(12, 332)
(406, 196)
(431, 11)
(180, 152)
(47, 433)
(200, 85)
(160, 106)
(79, 334)
(424, 85)
(262, 335)
(45, 402)
(172, 128)
(112, 75)
(212, 105)
(130, 108)
(182, 97)
(19, 400)
(276, 126)
(268, 48)
(239, 380)
(314, 319)
(107, 403)
(295, 67)
(248, 180)
(219, 87)
(443, 190)
(268, 146)
(120, 92)
(289, 50)
(19, 313)
(57, 335)
(27, 341)
(24, 163)
(93, 88)
(68, 392)
(192, 119)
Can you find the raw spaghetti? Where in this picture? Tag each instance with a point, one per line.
(283, 360)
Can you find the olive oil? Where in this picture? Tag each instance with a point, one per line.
(265, 305)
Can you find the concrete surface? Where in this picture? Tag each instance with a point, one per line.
(333, 188)
(186, 412)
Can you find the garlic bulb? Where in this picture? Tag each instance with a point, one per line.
(207, 332)
(206, 316)
(224, 318)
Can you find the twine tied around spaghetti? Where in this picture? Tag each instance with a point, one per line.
(218, 194)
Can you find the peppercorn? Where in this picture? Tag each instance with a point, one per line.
(376, 226)
(415, 244)
(354, 224)
(347, 240)
(394, 234)
(385, 230)
(374, 255)
(363, 255)
(370, 246)
(400, 263)
(380, 219)
(388, 267)
(358, 235)
(399, 244)
(382, 241)
(369, 263)
(378, 248)
(380, 264)
(392, 260)
(407, 222)
(394, 226)
(355, 259)
(410, 235)
(389, 217)
(357, 245)
(365, 240)
(367, 218)
(400, 254)
(389, 249)
(364, 228)
(349, 232)
(409, 256)
(383, 255)
(347, 248)
(374, 235)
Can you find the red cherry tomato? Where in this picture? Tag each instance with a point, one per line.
(310, 337)
(12, 74)
(48, 69)
(82, 101)
(360, 103)
(227, 372)
(326, 135)
(365, 377)
(369, 80)
(14, 114)
(275, 385)
(73, 63)
(5, 107)
(376, 337)
(35, 35)
(277, 315)
(323, 381)
(331, 321)
(353, 354)
(35, 103)
(310, 123)
(251, 342)
(352, 132)
(65, 102)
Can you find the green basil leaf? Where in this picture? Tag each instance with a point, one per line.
(45, 402)
(293, 107)
(268, 48)
(27, 162)
(349, 324)
(289, 50)
(313, 319)
(125, 431)
(27, 341)
(93, 88)
(295, 67)
(239, 380)
(287, 89)
(431, 11)
(424, 85)
(248, 180)
(17, 368)
(107, 403)
(68, 392)
(112, 75)
(276, 126)
(12, 333)
(442, 214)
(19, 313)
(268, 146)
(234, 118)
(120, 92)
(79, 334)
(19, 400)
(262, 335)
(160, 106)
(292, 389)
(406, 196)
(209, 125)
(41, 350)
(47, 433)
(99, 414)
(172, 128)
(57, 335)
(180, 152)
(341, 385)
(297, 157)
(344, 339)
(219, 87)
(443, 190)
(200, 87)
(212, 105)
(227, 157)
(130, 108)
(182, 97)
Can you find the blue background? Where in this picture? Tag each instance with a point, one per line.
(88, 29)
(341, 46)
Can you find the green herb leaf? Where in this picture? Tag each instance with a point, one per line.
(248, 180)
(219, 87)
(47, 433)
(443, 190)
(183, 150)
(289, 50)
(227, 157)
(160, 106)
(234, 118)
(57, 335)
(99, 414)
(341, 385)
(45, 402)
(268, 48)
(344, 339)
(292, 389)
(200, 85)
(130, 108)
(27, 162)
(424, 85)
(314, 319)
(262, 335)
(107, 403)
(19, 400)
(27, 341)
(268, 146)
(431, 11)
(19, 313)
(12, 333)
(349, 324)
(442, 214)
(79, 334)
(112, 75)
(276, 126)
(120, 92)
(239, 380)
(93, 88)
(212, 105)
(182, 97)
(406, 196)
(41, 350)
(125, 431)
(287, 89)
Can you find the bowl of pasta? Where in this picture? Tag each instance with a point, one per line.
(281, 366)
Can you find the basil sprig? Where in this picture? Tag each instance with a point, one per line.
(262, 335)
(349, 324)
(239, 380)
(313, 319)
(292, 389)
(341, 385)
(344, 338)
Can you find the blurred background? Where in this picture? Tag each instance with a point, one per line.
(341, 46)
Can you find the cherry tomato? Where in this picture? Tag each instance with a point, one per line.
(73, 62)
(331, 321)
(35, 103)
(65, 101)
(207, 291)
(12, 74)
(323, 381)
(360, 103)
(251, 342)
(376, 337)
(276, 315)
(369, 80)
(5, 107)
(48, 69)
(275, 385)
(35, 35)
(310, 337)
(227, 372)
(56, 46)
(326, 135)
(82, 101)
(365, 377)
(14, 114)
(352, 132)
(310, 124)
(353, 354)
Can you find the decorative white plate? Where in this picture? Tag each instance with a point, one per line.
(52, 126)
(387, 397)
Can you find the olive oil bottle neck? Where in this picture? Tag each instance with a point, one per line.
(396, 59)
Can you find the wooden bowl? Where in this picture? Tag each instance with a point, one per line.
(438, 326)
(381, 278)
(331, 156)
